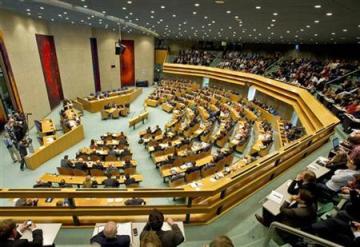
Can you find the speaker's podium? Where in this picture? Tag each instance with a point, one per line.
(142, 83)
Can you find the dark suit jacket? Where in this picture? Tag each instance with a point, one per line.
(171, 238)
(119, 241)
(37, 241)
(109, 182)
(65, 163)
(296, 215)
(80, 166)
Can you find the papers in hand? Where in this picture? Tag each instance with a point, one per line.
(275, 197)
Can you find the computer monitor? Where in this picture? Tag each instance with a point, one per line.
(336, 143)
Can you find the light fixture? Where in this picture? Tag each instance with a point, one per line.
(318, 6)
(308, 26)
(41, 7)
(228, 12)
(344, 30)
(85, 6)
(129, 2)
(316, 21)
(65, 13)
(333, 33)
(205, 17)
(329, 14)
(196, 4)
(39, 16)
(124, 8)
(315, 34)
(174, 15)
(162, 6)
(258, 7)
(28, 10)
(275, 13)
(194, 13)
(152, 11)
(29, 13)
(273, 20)
(104, 12)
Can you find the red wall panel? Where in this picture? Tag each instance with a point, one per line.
(47, 52)
(127, 62)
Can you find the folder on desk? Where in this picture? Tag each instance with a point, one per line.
(275, 197)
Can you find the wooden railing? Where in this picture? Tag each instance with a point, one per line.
(196, 205)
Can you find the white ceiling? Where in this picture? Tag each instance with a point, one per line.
(253, 21)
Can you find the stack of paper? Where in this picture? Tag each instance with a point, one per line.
(275, 197)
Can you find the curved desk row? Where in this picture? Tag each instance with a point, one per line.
(98, 104)
(50, 150)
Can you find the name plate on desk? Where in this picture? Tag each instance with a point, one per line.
(275, 197)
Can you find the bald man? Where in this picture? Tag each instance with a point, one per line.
(109, 238)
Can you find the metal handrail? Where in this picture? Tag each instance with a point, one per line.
(341, 77)
(294, 231)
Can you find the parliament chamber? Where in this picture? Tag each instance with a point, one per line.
(201, 123)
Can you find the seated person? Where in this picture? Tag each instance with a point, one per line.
(342, 176)
(171, 238)
(26, 202)
(65, 162)
(89, 182)
(98, 165)
(63, 184)
(338, 161)
(304, 180)
(80, 164)
(135, 201)
(111, 182)
(129, 180)
(109, 237)
(300, 212)
(112, 170)
(221, 241)
(42, 184)
(127, 164)
(9, 236)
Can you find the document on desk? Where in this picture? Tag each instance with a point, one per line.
(275, 197)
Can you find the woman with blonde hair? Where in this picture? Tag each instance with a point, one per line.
(150, 239)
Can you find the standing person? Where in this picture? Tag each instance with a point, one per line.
(171, 238)
(23, 152)
(11, 148)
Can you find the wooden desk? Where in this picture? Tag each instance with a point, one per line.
(151, 102)
(46, 140)
(79, 180)
(167, 107)
(140, 118)
(46, 152)
(125, 97)
(86, 202)
(47, 127)
(199, 163)
(50, 232)
(319, 170)
(274, 207)
(106, 164)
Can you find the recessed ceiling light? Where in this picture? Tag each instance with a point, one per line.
(316, 21)
(228, 12)
(329, 14)
(65, 13)
(41, 7)
(301, 30)
(104, 12)
(205, 17)
(315, 34)
(272, 24)
(345, 30)
(219, 1)
(318, 6)
(258, 7)
(196, 4)
(52, 19)
(152, 11)
(152, 17)
(174, 15)
(308, 26)
(66, 18)
(29, 13)
(39, 16)
(129, 2)
(82, 0)
(130, 13)
(82, 21)
(194, 13)
(275, 14)
(162, 6)
(85, 6)
(59, 15)
(28, 10)
(333, 33)
(124, 8)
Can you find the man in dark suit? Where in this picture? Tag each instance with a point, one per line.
(110, 182)
(10, 237)
(80, 164)
(109, 238)
(65, 162)
(171, 238)
(23, 152)
(129, 180)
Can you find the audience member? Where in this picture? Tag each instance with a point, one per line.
(10, 236)
(109, 237)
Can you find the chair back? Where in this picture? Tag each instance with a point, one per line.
(177, 182)
(130, 170)
(104, 115)
(38, 125)
(110, 158)
(133, 185)
(192, 176)
(78, 172)
(95, 157)
(116, 114)
(208, 170)
(97, 173)
(65, 171)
